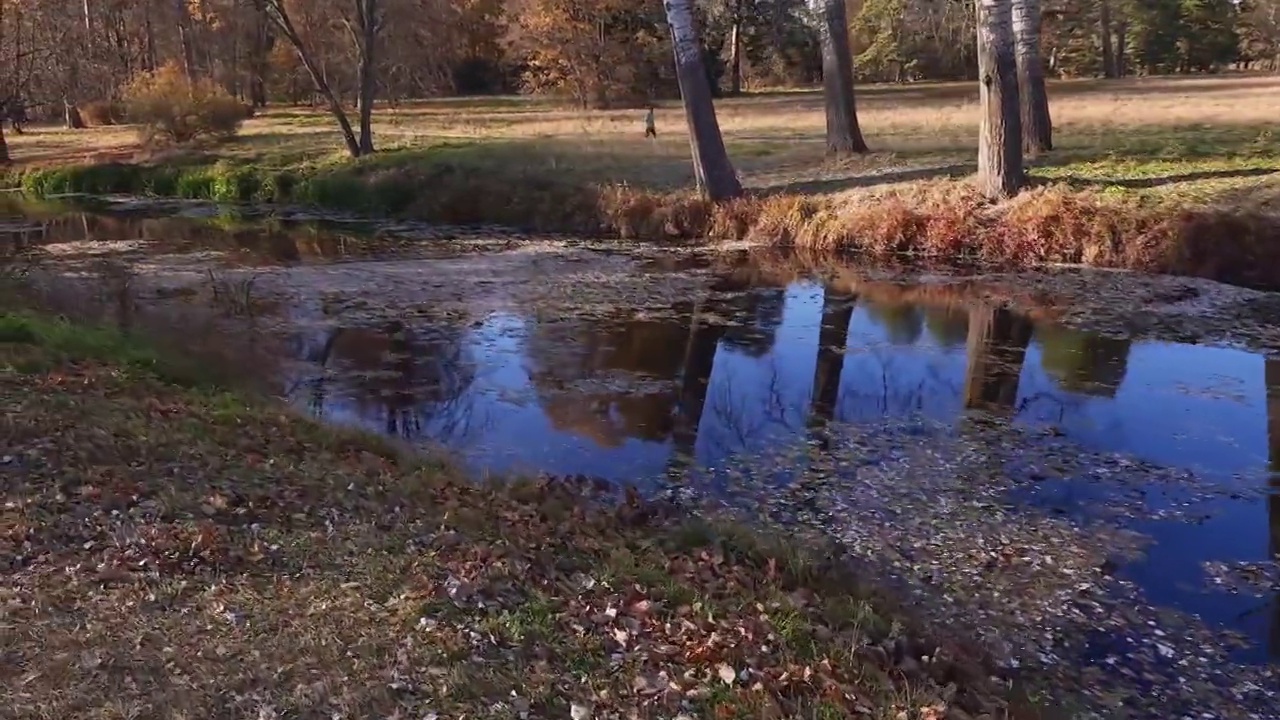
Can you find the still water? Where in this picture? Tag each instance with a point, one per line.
(754, 368)
(632, 400)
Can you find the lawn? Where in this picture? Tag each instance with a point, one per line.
(1165, 175)
(1182, 135)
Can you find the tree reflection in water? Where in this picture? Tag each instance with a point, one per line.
(998, 341)
(1271, 371)
(405, 378)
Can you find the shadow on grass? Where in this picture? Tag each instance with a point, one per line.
(836, 185)
(1146, 183)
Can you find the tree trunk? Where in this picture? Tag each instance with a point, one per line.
(1104, 27)
(715, 174)
(735, 51)
(1037, 129)
(1121, 49)
(843, 134)
(1000, 138)
(149, 50)
(280, 16)
(184, 38)
(369, 21)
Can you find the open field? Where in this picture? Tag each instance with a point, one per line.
(1169, 175)
(1171, 134)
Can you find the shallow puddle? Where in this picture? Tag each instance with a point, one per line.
(1083, 485)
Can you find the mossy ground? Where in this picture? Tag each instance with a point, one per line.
(176, 549)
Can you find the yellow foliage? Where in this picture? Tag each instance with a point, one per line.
(601, 52)
(172, 108)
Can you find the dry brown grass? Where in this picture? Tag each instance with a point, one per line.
(776, 140)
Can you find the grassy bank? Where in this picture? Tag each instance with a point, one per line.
(1159, 174)
(174, 549)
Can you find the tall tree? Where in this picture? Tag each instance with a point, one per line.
(843, 134)
(1000, 137)
(715, 174)
(365, 31)
(1105, 32)
(1037, 128)
(278, 11)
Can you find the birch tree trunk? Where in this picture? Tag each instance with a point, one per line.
(369, 19)
(715, 174)
(843, 134)
(1000, 138)
(1037, 128)
(735, 50)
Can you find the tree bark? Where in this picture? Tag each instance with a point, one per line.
(184, 38)
(1121, 48)
(735, 51)
(1000, 138)
(1104, 27)
(1037, 128)
(843, 134)
(711, 166)
(280, 16)
(369, 19)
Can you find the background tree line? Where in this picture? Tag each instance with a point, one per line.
(59, 55)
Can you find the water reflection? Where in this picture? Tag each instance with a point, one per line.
(1272, 374)
(253, 242)
(749, 371)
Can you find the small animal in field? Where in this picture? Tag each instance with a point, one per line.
(650, 129)
(14, 112)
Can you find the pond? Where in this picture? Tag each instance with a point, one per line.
(1077, 498)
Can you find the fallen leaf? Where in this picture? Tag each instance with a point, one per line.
(726, 673)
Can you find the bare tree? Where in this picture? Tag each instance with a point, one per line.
(711, 166)
(364, 33)
(1000, 138)
(278, 11)
(1037, 128)
(843, 133)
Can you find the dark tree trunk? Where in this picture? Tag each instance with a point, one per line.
(833, 338)
(1037, 128)
(1104, 27)
(1000, 138)
(1122, 33)
(711, 167)
(843, 134)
